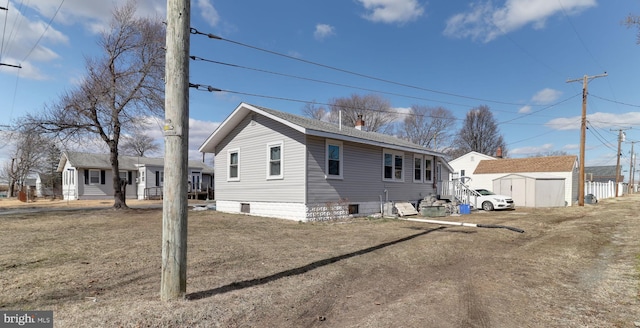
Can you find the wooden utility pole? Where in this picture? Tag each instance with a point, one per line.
(620, 139)
(631, 167)
(583, 133)
(176, 141)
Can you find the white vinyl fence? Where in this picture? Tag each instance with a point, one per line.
(604, 190)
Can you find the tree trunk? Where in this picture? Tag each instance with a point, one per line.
(119, 197)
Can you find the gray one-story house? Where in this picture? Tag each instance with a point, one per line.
(89, 176)
(276, 164)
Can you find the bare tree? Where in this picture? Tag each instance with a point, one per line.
(428, 126)
(550, 153)
(479, 133)
(138, 144)
(312, 110)
(375, 110)
(633, 21)
(122, 85)
(28, 156)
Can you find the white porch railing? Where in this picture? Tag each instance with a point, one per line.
(458, 191)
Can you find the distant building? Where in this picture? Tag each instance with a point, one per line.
(602, 174)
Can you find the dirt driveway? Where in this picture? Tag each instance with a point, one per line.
(573, 267)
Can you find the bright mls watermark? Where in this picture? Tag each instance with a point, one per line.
(31, 319)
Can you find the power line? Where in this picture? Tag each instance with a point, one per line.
(322, 81)
(215, 37)
(208, 88)
(539, 110)
(44, 32)
(614, 101)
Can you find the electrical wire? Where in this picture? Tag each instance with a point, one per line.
(324, 82)
(4, 30)
(44, 32)
(614, 101)
(539, 110)
(208, 88)
(215, 37)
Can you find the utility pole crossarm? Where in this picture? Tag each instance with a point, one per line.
(16, 66)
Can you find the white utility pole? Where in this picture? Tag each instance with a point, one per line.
(176, 143)
(583, 133)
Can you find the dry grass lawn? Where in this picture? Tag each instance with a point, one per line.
(573, 267)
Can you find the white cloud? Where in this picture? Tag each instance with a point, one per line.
(531, 150)
(34, 39)
(322, 31)
(599, 120)
(524, 109)
(392, 11)
(401, 113)
(546, 96)
(208, 12)
(485, 22)
(94, 15)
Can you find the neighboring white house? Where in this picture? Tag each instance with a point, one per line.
(465, 165)
(275, 164)
(531, 182)
(89, 176)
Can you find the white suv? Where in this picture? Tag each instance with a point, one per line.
(489, 201)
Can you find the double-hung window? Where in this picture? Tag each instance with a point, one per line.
(334, 159)
(393, 162)
(233, 173)
(275, 161)
(94, 177)
(428, 168)
(417, 168)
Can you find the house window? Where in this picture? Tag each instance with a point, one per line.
(94, 177)
(417, 168)
(393, 165)
(159, 178)
(234, 165)
(274, 161)
(427, 170)
(354, 208)
(462, 173)
(334, 162)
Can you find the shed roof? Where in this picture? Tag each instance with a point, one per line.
(531, 164)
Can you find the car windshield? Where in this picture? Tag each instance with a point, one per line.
(484, 192)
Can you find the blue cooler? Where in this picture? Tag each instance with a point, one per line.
(465, 209)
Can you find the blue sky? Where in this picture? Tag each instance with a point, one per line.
(514, 56)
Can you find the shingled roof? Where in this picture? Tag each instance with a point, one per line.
(312, 127)
(129, 163)
(531, 164)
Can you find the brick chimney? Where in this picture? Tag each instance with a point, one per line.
(499, 152)
(359, 122)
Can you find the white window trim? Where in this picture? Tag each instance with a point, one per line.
(394, 153)
(422, 167)
(229, 152)
(329, 142)
(269, 146)
(94, 183)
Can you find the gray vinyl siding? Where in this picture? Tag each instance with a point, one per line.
(251, 139)
(362, 176)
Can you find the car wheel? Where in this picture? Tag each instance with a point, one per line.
(487, 206)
